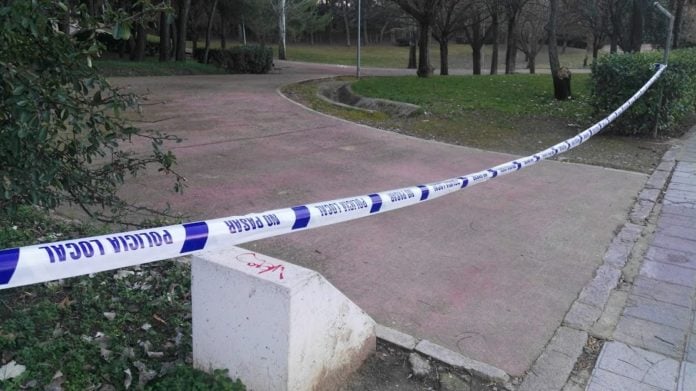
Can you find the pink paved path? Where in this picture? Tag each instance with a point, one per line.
(488, 272)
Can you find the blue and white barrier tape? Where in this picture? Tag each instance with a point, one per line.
(70, 258)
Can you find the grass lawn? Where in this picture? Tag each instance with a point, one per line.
(390, 56)
(507, 113)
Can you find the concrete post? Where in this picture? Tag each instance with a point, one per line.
(274, 325)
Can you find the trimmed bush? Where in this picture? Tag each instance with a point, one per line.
(616, 77)
(251, 59)
(239, 59)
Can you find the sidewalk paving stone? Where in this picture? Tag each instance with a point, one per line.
(677, 231)
(652, 336)
(687, 378)
(681, 187)
(669, 273)
(658, 312)
(639, 364)
(675, 257)
(676, 220)
(662, 291)
(679, 211)
(674, 243)
(608, 381)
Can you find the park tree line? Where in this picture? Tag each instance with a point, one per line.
(522, 26)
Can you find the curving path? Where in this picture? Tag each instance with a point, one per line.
(489, 272)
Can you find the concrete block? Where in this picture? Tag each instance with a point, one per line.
(641, 211)
(658, 312)
(665, 165)
(671, 155)
(597, 291)
(649, 195)
(657, 180)
(476, 368)
(551, 370)
(582, 316)
(687, 377)
(639, 364)
(396, 337)
(651, 336)
(617, 253)
(630, 232)
(605, 325)
(669, 273)
(662, 291)
(274, 325)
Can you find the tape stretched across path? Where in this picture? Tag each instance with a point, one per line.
(70, 258)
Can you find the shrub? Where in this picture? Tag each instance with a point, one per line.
(251, 59)
(63, 137)
(616, 77)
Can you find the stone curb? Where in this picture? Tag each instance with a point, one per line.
(553, 367)
(478, 369)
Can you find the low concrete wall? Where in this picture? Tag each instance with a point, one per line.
(274, 325)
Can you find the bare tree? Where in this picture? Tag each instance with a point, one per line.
(450, 18)
(423, 11)
(182, 17)
(478, 28)
(512, 8)
(531, 30)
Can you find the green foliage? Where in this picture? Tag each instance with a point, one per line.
(616, 77)
(63, 137)
(189, 379)
(251, 59)
(239, 59)
(62, 326)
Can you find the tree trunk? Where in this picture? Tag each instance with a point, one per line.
(164, 37)
(364, 26)
(561, 77)
(382, 31)
(494, 53)
(531, 64)
(65, 20)
(444, 54)
(175, 41)
(476, 55)
(346, 24)
(223, 39)
(614, 43)
(678, 11)
(209, 31)
(424, 68)
(184, 6)
(511, 48)
(412, 59)
(282, 32)
(636, 39)
(138, 53)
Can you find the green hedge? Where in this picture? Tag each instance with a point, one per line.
(239, 59)
(616, 77)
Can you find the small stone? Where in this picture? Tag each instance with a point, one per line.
(155, 354)
(146, 326)
(420, 367)
(451, 382)
(110, 316)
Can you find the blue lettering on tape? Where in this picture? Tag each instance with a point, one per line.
(494, 173)
(376, 203)
(196, 236)
(537, 157)
(465, 181)
(424, 192)
(517, 164)
(301, 217)
(8, 264)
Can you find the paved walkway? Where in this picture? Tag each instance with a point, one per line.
(654, 343)
(488, 273)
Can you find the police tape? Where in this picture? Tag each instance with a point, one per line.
(51, 261)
